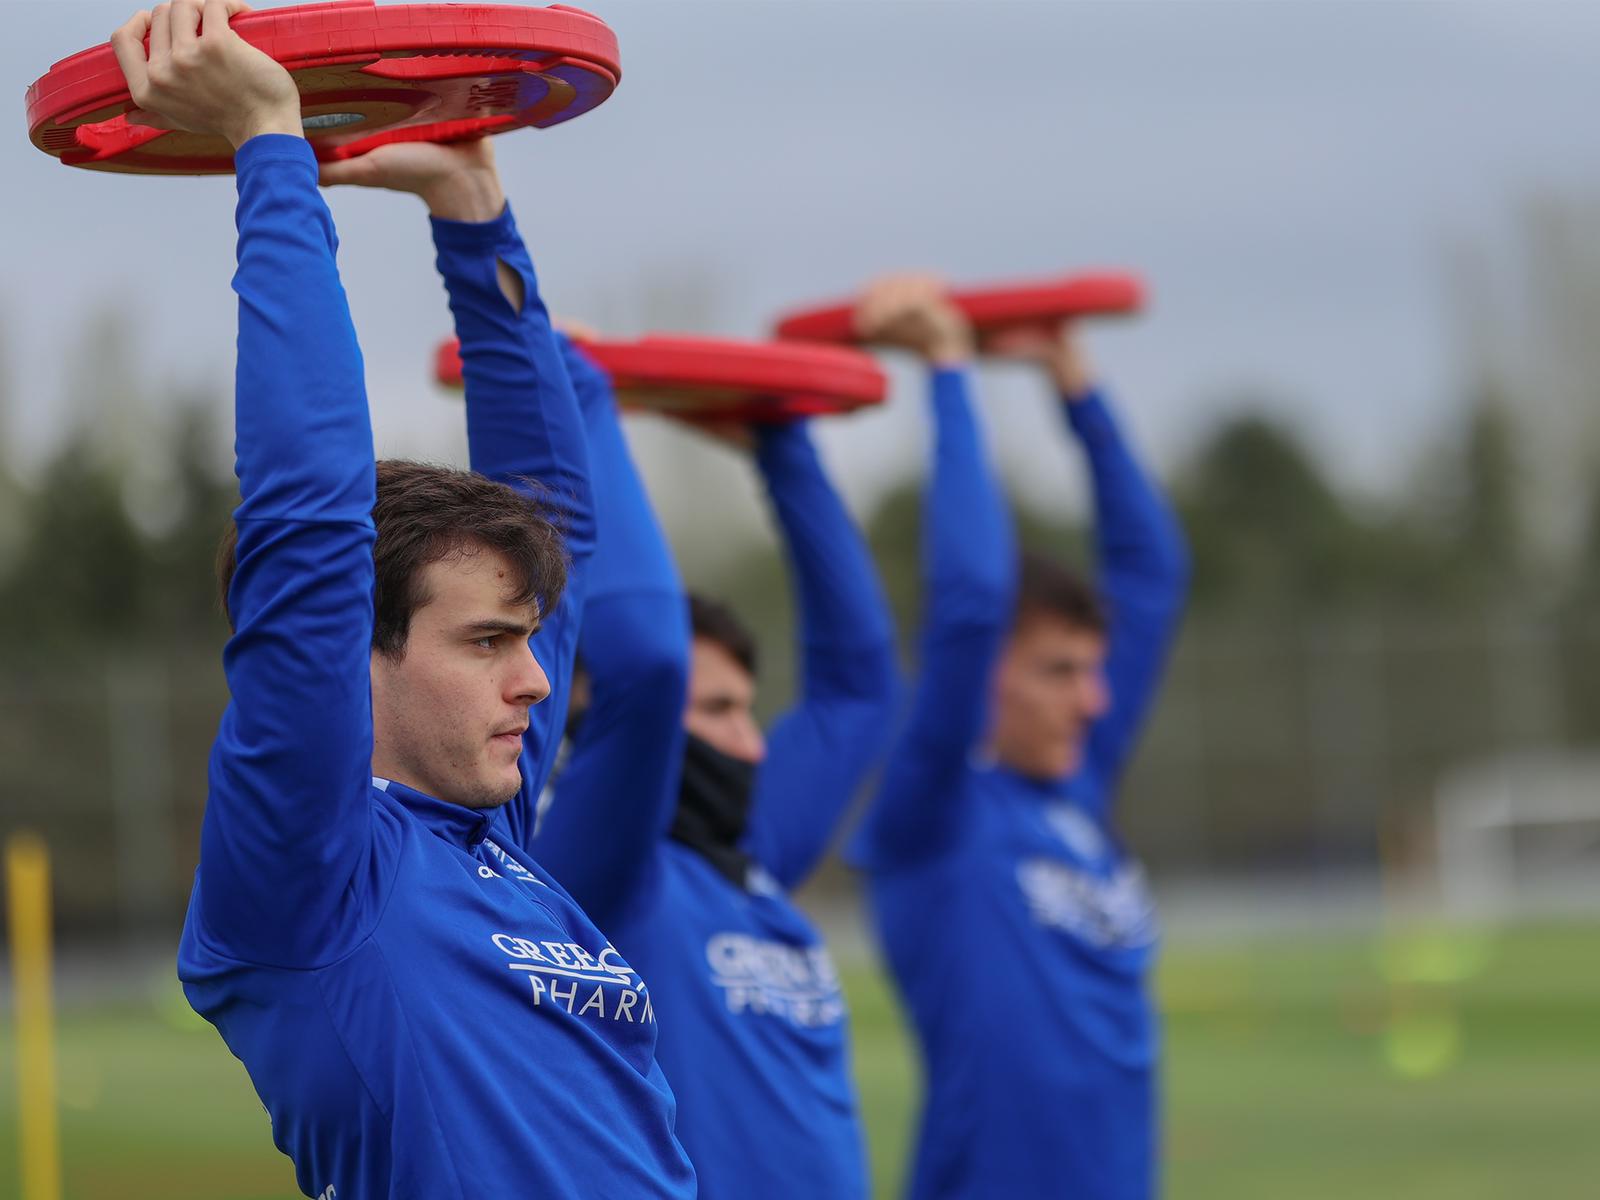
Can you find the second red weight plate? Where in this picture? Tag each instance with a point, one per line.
(702, 378)
(367, 75)
(993, 308)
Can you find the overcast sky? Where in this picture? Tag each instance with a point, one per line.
(1288, 177)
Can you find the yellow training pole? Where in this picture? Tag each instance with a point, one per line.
(28, 898)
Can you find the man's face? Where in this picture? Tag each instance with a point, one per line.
(448, 717)
(721, 709)
(1049, 688)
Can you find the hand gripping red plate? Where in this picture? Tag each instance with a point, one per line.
(699, 378)
(367, 75)
(991, 309)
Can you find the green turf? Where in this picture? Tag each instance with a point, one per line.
(1431, 1067)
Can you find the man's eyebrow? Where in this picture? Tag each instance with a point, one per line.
(493, 625)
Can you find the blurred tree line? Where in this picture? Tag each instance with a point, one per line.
(109, 544)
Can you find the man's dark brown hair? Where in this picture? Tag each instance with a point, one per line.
(1046, 588)
(716, 622)
(426, 513)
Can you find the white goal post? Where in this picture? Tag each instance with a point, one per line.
(1520, 832)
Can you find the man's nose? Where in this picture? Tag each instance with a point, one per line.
(1097, 695)
(529, 684)
(752, 742)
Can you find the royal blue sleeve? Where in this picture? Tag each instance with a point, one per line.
(820, 751)
(969, 564)
(1143, 568)
(287, 826)
(523, 429)
(615, 796)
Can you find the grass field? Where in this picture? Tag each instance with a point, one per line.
(1445, 1066)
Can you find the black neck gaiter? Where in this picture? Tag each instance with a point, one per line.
(713, 807)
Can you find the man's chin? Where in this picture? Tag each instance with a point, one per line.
(1046, 767)
(506, 792)
(484, 801)
(1069, 760)
(496, 792)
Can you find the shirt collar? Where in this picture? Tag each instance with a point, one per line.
(455, 823)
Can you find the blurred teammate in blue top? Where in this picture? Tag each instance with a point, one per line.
(423, 1012)
(682, 828)
(1017, 926)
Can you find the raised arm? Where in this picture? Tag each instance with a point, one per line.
(969, 581)
(615, 796)
(820, 751)
(1143, 569)
(1142, 562)
(287, 821)
(523, 423)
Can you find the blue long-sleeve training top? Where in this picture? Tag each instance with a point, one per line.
(753, 1024)
(422, 1010)
(1018, 929)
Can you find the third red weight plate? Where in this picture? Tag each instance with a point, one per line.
(991, 309)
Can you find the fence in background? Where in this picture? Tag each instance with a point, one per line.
(1289, 749)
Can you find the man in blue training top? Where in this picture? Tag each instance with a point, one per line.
(682, 829)
(1018, 929)
(422, 1010)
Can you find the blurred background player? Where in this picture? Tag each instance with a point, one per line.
(362, 930)
(1016, 924)
(682, 827)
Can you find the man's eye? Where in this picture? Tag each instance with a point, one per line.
(487, 641)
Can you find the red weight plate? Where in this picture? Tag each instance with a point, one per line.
(367, 75)
(447, 363)
(719, 378)
(993, 308)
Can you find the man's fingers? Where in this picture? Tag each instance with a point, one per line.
(160, 37)
(332, 174)
(217, 15)
(922, 291)
(355, 171)
(866, 317)
(184, 20)
(128, 45)
(876, 307)
(578, 331)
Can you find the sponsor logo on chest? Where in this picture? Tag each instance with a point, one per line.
(1107, 912)
(797, 984)
(1076, 830)
(597, 987)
